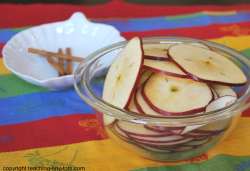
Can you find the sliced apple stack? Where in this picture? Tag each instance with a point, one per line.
(122, 76)
(163, 80)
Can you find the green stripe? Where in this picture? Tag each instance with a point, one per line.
(246, 52)
(184, 16)
(10, 85)
(197, 14)
(20, 28)
(218, 163)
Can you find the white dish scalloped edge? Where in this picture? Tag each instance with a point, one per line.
(81, 35)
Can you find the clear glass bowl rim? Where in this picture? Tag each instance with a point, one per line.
(184, 120)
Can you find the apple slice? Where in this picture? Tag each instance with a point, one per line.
(166, 67)
(155, 149)
(182, 149)
(144, 76)
(199, 135)
(156, 51)
(212, 129)
(132, 107)
(143, 106)
(198, 45)
(190, 128)
(176, 96)
(204, 64)
(220, 103)
(218, 91)
(163, 144)
(222, 90)
(108, 120)
(215, 95)
(196, 143)
(120, 133)
(168, 149)
(137, 129)
(172, 130)
(161, 139)
(123, 75)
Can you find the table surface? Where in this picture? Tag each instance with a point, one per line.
(39, 127)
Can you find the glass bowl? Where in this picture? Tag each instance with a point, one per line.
(165, 139)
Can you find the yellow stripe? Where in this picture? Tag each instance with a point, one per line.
(218, 13)
(107, 155)
(239, 43)
(3, 69)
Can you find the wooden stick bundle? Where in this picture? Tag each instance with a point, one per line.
(58, 60)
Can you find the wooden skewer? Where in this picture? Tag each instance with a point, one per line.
(61, 62)
(48, 54)
(69, 62)
(56, 65)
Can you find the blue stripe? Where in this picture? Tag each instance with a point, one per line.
(157, 23)
(37, 106)
(6, 34)
(170, 23)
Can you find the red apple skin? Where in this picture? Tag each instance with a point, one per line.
(135, 141)
(165, 72)
(138, 105)
(200, 135)
(167, 149)
(158, 139)
(213, 95)
(138, 78)
(140, 108)
(164, 129)
(160, 144)
(196, 134)
(156, 58)
(127, 107)
(139, 138)
(173, 146)
(201, 79)
(163, 149)
(143, 135)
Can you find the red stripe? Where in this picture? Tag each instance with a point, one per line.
(204, 32)
(1, 47)
(50, 132)
(53, 131)
(246, 113)
(23, 15)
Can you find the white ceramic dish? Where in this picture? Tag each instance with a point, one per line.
(81, 35)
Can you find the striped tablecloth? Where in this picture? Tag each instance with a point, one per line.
(41, 129)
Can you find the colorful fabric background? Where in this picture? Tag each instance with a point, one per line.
(55, 128)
